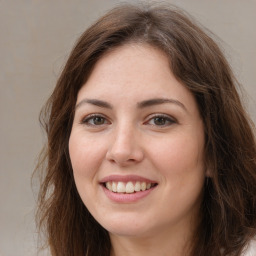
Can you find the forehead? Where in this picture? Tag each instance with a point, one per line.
(133, 73)
(124, 57)
(132, 64)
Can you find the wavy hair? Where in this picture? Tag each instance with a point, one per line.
(228, 218)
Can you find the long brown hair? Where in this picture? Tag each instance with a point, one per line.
(229, 205)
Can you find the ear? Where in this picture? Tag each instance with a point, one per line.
(208, 170)
(208, 173)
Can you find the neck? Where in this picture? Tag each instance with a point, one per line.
(176, 243)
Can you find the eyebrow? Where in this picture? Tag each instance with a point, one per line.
(142, 104)
(98, 103)
(159, 101)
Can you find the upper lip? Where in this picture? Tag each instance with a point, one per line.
(126, 178)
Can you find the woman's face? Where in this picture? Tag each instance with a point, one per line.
(137, 145)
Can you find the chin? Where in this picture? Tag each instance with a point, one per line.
(125, 227)
(128, 232)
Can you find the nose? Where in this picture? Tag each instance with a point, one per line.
(125, 148)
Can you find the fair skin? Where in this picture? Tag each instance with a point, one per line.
(137, 152)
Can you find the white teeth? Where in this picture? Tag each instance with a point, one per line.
(120, 188)
(114, 188)
(143, 186)
(137, 186)
(129, 187)
(109, 185)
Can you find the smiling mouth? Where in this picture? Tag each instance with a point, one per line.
(128, 187)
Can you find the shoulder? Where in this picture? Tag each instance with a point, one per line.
(251, 248)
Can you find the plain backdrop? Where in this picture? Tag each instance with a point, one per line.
(36, 37)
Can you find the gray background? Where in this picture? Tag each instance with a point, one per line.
(35, 40)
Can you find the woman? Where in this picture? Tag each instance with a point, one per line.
(150, 151)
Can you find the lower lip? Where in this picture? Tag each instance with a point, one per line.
(127, 198)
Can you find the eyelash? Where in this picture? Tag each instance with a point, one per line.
(92, 118)
(166, 118)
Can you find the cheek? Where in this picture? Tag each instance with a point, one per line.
(84, 155)
(179, 154)
(85, 160)
(180, 162)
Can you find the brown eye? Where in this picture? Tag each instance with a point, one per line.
(161, 121)
(95, 120)
(98, 120)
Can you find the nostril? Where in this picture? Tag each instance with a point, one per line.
(131, 160)
(124, 153)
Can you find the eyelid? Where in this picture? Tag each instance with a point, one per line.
(169, 118)
(85, 119)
